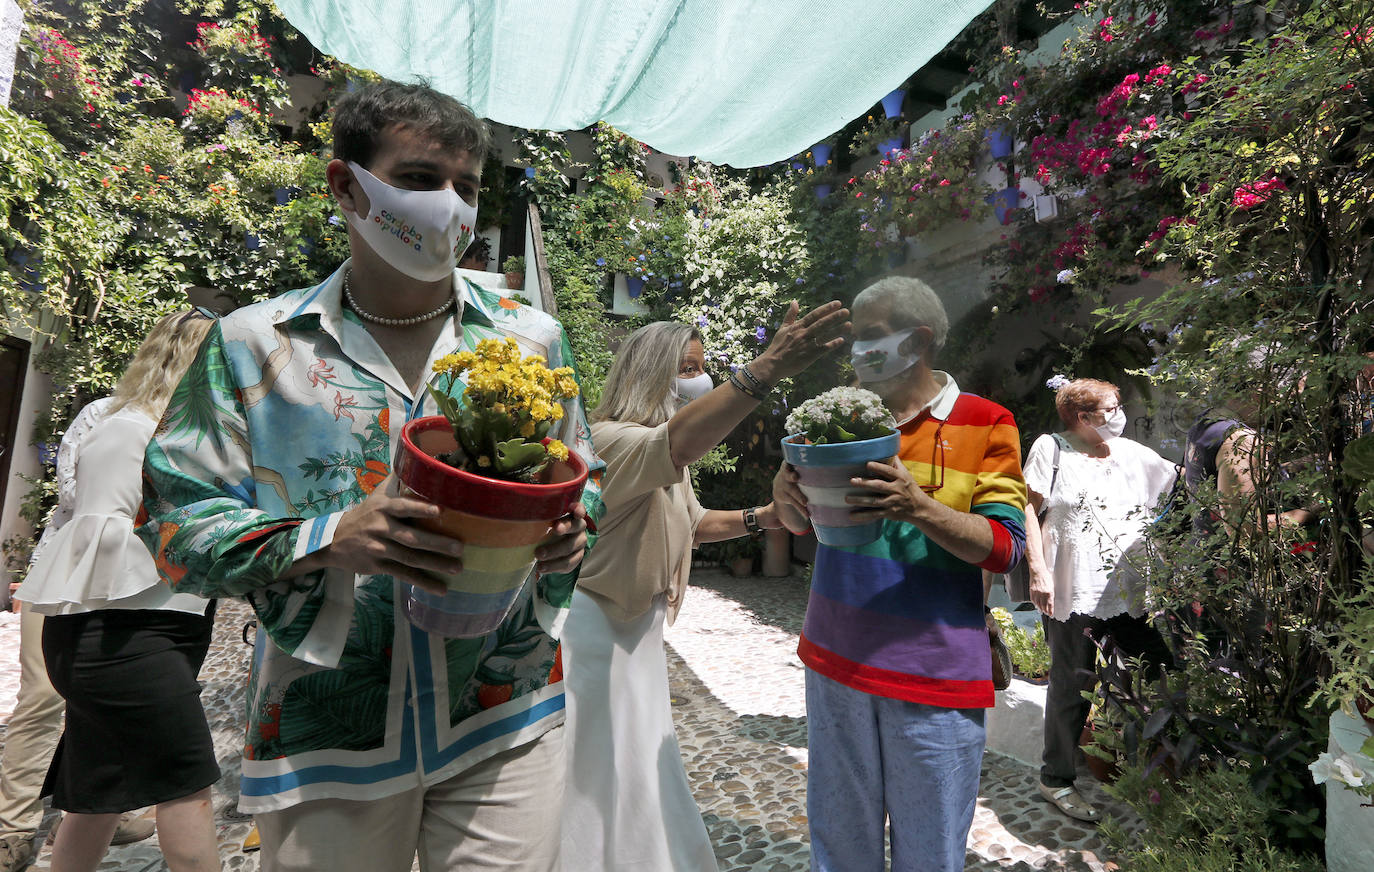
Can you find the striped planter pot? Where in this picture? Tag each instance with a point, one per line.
(499, 522)
(825, 472)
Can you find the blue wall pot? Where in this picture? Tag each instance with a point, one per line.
(822, 191)
(1004, 202)
(634, 286)
(820, 154)
(825, 472)
(1001, 143)
(889, 146)
(892, 103)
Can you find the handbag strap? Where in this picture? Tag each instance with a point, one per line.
(1054, 475)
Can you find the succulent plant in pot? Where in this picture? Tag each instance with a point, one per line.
(832, 439)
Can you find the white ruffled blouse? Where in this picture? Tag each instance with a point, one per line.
(93, 560)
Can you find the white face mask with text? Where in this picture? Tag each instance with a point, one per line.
(420, 233)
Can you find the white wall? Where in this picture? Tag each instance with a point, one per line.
(37, 393)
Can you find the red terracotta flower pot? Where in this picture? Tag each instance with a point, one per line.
(499, 522)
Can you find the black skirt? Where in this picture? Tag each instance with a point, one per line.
(136, 733)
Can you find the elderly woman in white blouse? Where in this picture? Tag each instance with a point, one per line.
(122, 648)
(1092, 493)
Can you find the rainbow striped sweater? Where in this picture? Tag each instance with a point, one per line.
(902, 617)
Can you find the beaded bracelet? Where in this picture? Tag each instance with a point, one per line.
(745, 389)
(754, 380)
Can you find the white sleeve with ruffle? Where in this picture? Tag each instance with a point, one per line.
(81, 427)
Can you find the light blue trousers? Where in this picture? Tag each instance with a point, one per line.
(874, 759)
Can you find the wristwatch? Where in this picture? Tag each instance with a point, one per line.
(751, 522)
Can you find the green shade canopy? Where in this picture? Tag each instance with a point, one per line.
(742, 82)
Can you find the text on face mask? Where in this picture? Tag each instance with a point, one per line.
(398, 228)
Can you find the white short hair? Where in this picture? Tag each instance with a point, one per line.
(911, 303)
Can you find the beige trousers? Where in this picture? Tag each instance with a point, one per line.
(31, 736)
(502, 814)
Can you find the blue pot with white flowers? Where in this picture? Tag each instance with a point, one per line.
(834, 438)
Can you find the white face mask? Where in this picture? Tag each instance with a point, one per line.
(876, 360)
(420, 233)
(1113, 427)
(687, 389)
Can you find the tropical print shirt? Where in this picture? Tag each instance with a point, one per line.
(290, 415)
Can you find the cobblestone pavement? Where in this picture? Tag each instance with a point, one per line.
(741, 722)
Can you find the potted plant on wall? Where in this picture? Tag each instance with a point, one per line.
(501, 482)
(883, 135)
(1030, 654)
(834, 436)
(821, 151)
(514, 268)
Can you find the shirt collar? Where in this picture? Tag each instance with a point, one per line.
(942, 404)
(325, 301)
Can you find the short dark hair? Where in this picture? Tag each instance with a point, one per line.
(361, 117)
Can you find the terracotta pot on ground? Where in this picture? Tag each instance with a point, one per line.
(742, 567)
(777, 553)
(499, 522)
(1105, 771)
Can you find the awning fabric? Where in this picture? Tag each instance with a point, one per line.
(742, 82)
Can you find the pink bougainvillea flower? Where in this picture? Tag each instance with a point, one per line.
(1250, 195)
(1198, 81)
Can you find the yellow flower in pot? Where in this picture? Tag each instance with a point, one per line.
(489, 463)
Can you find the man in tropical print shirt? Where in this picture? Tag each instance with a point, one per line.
(269, 478)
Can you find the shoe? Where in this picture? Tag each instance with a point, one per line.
(132, 828)
(16, 852)
(1001, 662)
(1070, 802)
(252, 841)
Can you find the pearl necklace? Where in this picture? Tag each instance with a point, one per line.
(393, 322)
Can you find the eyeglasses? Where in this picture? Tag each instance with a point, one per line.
(937, 459)
(197, 310)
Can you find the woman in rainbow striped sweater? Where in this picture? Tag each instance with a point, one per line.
(896, 649)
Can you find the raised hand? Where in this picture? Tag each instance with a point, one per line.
(802, 340)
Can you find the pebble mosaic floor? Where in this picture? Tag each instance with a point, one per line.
(741, 723)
